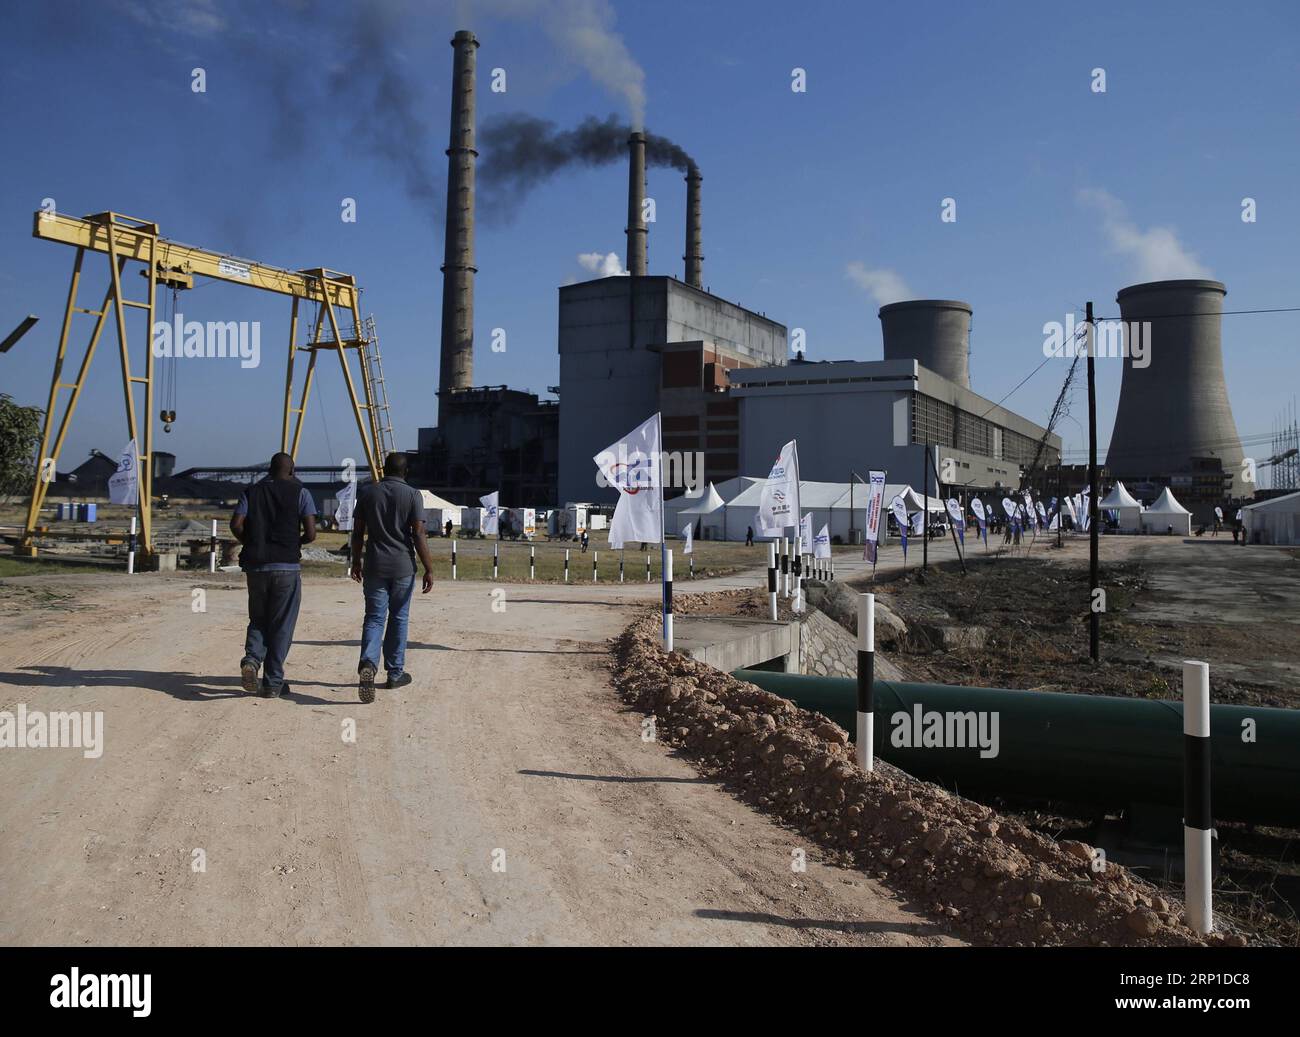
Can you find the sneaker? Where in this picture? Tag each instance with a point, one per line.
(274, 691)
(248, 675)
(366, 682)
(399, 681)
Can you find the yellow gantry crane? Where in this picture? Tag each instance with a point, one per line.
(125, 240)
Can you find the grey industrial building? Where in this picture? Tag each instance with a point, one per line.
(849, 416)
(631, 346)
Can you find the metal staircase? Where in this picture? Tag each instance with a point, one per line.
(372, 368)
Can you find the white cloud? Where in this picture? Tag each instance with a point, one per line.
(197, 18)
(602, 264)
(883, 285)
(1156, 253)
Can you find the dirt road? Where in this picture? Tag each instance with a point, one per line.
(504, 798)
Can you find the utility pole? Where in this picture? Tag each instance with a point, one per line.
(1094, 617)
(1060, 497)
(925, 515)
(852, 473)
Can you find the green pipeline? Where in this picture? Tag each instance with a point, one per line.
(1076, 748)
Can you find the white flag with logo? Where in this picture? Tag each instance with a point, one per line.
(805, 534)
(875, 504)
(124, 484)
(345, 504)
(899, 507)
(822, 545)
(488, 525)
(632, 466)
(688, 535)
(778, 506)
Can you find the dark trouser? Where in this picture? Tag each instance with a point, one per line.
(273, 600)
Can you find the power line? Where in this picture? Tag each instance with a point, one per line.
(1203, 313)
(1032, 373)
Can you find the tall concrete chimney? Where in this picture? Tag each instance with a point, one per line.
(694, 255)
(1173, 402)
(456, 370)
(933, 332)
(636, 229)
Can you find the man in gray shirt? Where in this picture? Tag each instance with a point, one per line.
(387, 533)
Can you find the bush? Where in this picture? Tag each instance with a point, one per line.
(20, 438)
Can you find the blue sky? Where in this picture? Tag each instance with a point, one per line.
(817, 205)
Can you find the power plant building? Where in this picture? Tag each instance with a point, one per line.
(849, 416)
(631, 346)
(716, 372)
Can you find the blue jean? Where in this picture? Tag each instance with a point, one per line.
(386, 599)
(273, 601)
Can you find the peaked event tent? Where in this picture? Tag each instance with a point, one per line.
(1167, 512)
(707, 512)
(1128, 506)
(837, 505)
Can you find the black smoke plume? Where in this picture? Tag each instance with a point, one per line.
(519, 152)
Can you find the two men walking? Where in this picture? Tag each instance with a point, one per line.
(275, 518)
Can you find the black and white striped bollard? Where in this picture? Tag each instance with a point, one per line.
(799, 581)
(453, 559)
(771, 579)
(595, 575)
(866, 681)
(566, 565)
(212, 549)
(494, 561)
(1198, 818)
(532, 562)
(668, 601)
(130, 549)
(692, 561)
(620, 567)
(785, 569)
(647, 568)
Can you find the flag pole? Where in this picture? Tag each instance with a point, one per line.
(663, 531)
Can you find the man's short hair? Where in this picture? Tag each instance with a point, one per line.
(395, 464)
(281, 465)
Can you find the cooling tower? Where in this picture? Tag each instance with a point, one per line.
(636, 229)
(456, 369)
(694, 252)
(1173, 402)
(933, 332)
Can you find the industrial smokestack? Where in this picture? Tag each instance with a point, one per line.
(694, 255)
(1173, 401)
(457, 362)
(636, 229)
(933, 332)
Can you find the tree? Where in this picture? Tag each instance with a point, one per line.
(20, 436)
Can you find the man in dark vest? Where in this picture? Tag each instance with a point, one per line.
(387, 533)
(273, 519)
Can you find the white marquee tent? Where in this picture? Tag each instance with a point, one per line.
(1166, 514)
(1275, 521)
(1128, 506)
